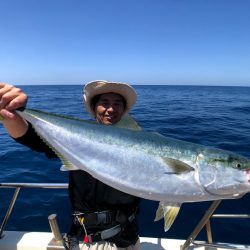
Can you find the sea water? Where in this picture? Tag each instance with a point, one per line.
(212, 116)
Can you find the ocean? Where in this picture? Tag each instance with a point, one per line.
(208, 115)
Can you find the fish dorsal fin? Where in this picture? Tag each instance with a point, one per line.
(168, 212)
(128, 122)
(177, 166)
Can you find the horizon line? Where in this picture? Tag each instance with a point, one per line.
(194, 85)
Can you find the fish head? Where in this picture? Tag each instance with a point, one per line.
(223, 173)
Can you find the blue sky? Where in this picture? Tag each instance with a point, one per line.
(205, 42)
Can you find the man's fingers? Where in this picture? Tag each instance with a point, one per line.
(7, 98)
(12, 98)
(7, 114)
(5, 89)
(18, 102)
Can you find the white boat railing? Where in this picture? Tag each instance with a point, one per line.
(18, 187)
(204, 222)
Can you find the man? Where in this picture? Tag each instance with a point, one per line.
(103, 216)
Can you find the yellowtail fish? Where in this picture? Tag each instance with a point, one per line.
(144, 164)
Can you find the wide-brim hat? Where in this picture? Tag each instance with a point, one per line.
(98, 87)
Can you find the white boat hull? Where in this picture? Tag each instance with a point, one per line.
(16, 240)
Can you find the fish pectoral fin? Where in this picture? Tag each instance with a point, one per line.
(128, 122)
(177, 166)
(168, 212)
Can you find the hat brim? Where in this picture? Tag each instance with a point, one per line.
(94, 88)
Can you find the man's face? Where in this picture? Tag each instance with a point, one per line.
(109, 109)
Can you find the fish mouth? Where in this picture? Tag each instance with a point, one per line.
(247, 171)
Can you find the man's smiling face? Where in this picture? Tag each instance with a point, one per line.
(109, 108)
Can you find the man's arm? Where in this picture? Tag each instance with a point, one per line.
(12, 98)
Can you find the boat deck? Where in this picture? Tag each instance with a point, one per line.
(14, 240)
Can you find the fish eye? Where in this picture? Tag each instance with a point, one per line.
(238, 165)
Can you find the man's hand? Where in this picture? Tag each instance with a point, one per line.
(11, 98)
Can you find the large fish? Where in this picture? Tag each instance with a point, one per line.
(144, 164)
